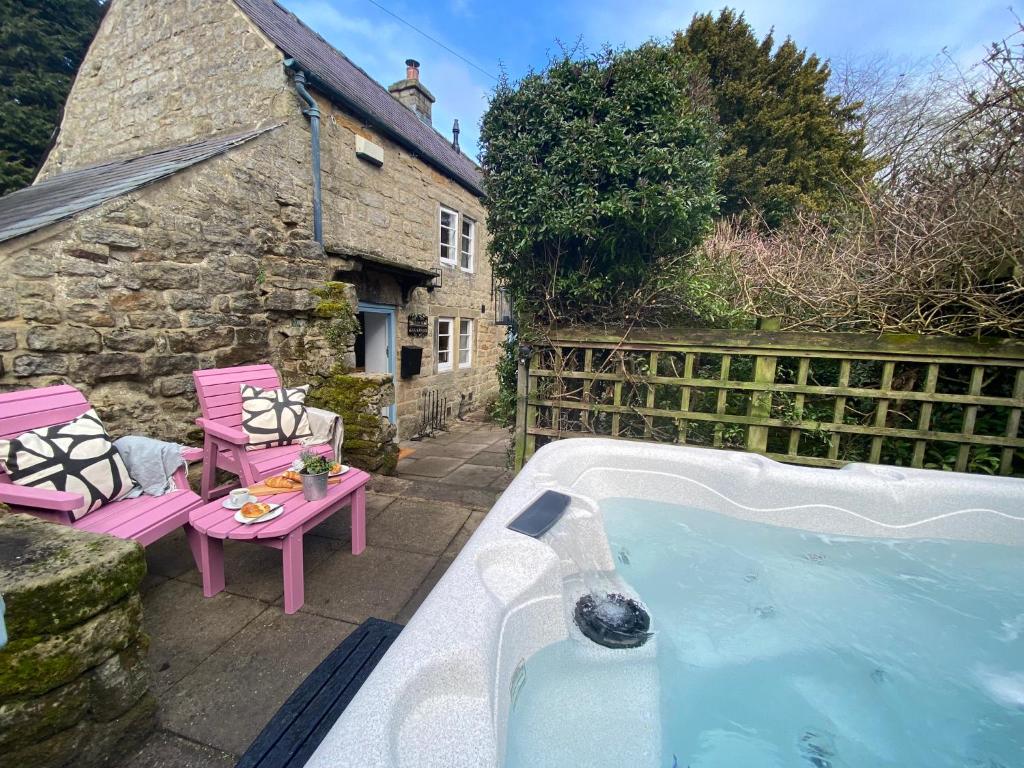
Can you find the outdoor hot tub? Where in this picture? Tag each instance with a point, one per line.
(852, 618)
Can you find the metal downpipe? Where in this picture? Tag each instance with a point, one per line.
(312, 111)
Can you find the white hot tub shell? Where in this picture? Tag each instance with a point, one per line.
(441, 696)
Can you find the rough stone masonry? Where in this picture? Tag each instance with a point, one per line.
(74, 686)
(216, 265)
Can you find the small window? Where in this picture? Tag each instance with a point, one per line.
(449, 219)
(444, 343)
(466, 243)
(465, 343)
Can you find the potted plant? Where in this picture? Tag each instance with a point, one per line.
(315, 469)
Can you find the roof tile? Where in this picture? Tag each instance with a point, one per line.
(333, 72)
(64, 195)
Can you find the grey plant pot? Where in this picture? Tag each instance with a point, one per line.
(314, 487)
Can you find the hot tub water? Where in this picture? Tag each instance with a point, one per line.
(778, 648)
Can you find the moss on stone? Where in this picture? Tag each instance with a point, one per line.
(34, 665)
(55, 576)
(356, 398)
(334, 306)
(29, 720)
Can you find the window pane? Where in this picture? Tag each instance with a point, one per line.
(466, 244)
(444, 342)
(447, 235)
(465, 341)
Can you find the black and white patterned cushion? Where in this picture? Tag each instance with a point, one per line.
(76, 457)
(274, 416)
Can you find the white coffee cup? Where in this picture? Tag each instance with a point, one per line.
(239, 496)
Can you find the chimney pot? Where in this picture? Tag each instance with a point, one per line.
(412, 93)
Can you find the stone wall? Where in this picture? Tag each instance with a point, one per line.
(74, 687)
(392, 212)
(208, 268)
(216, 265)
(359, 399)
(161, 72)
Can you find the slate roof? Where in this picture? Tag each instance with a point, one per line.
(63, 196)
(332, 72)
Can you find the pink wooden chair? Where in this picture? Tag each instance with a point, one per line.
(144, 519)
(220, 400)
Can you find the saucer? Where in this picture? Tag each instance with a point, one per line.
(228, 505)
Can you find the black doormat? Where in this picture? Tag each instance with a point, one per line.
(294, 733)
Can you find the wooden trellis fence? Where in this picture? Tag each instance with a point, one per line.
(821, 399)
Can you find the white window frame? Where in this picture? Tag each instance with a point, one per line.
(449, 349)
(454, 237)
(472, 243)
(468, 349)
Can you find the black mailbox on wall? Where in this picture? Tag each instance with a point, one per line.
(412, 361)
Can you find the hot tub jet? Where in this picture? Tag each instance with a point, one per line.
(614, 620)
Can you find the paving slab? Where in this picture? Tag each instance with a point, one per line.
(488, 459)
(502, 481)
(435, 490)
(417, 525)
(376, 583)
(184, 627)
(455, 450)
(456, 545)
(254, 571)
(339, 525)
(164, 750)
(429, 466)
(151, 580)
(473, 475)
(170, 556)
(414, 602)
(228, 699)
(498, 446)
(387, 485)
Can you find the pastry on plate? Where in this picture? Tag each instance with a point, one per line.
(335, 468)
(253, 510)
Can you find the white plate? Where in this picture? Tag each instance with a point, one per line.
(228, 505)
(276, 511)
(344, 468)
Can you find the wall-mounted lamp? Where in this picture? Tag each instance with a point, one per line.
(502, 307)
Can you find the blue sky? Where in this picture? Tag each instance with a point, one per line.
(519, 35)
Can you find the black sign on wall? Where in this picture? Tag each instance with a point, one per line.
(418, 325)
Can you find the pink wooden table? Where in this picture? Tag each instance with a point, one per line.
(214, 523)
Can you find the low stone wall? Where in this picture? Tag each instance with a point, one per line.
(74, 686)
(359, 399)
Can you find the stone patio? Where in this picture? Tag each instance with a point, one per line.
(222, 666)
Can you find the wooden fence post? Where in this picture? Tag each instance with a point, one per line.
(522, 389)
(761, 402)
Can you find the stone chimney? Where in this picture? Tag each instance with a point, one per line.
(412, 93)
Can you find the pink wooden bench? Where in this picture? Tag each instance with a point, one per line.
(144, 519)
(220, 400)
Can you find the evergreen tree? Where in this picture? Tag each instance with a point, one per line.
(595, 169)
(785, 141)
(42, 43)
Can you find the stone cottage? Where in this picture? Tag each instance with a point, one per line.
(227, 188)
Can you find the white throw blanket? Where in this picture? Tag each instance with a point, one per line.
(328, 429)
